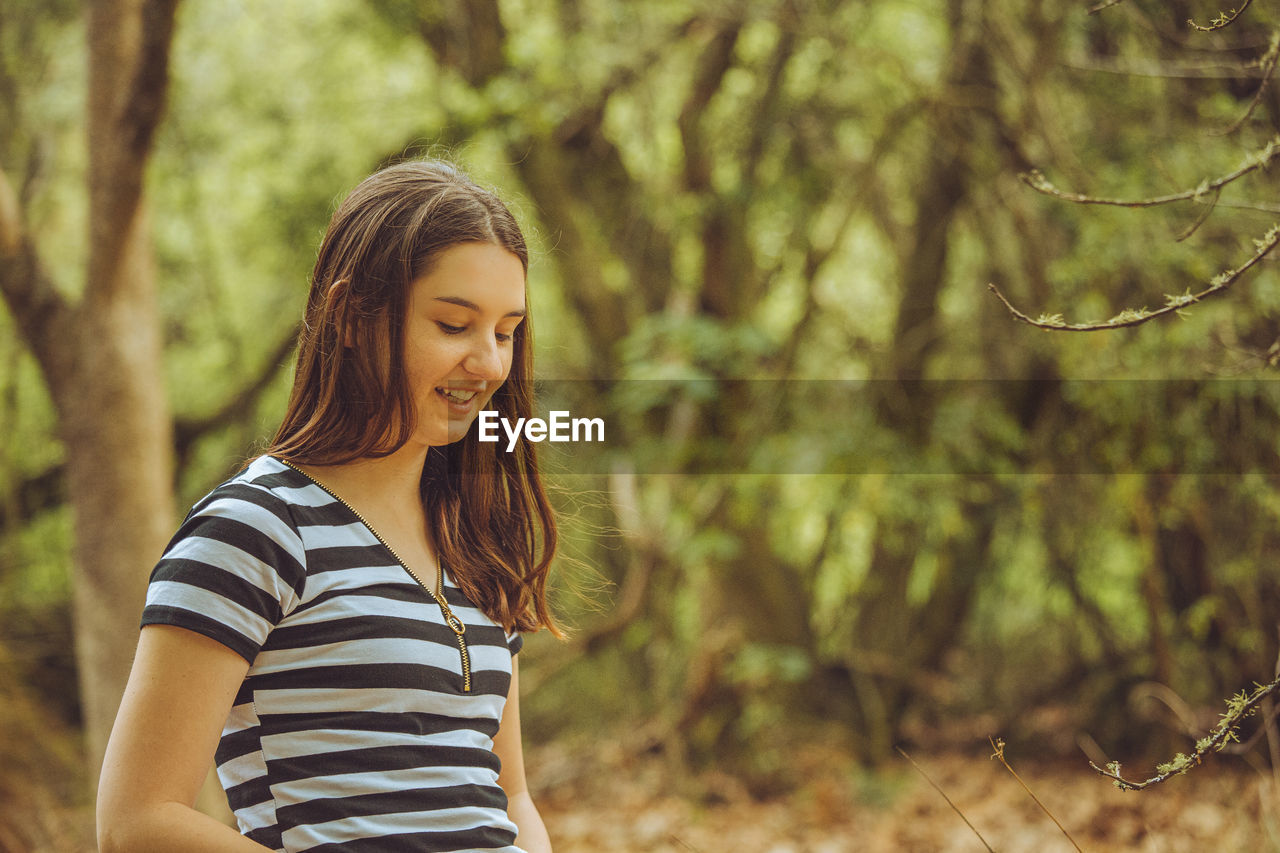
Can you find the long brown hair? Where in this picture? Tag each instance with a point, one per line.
(493, 525)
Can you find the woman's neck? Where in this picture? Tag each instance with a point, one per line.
(386, 496)
(377, 486)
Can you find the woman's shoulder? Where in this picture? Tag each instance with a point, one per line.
(236, 565)
(268, 498)
(264, 474)
(261, 500)
(264, 482)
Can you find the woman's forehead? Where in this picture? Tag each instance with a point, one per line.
(474, 276)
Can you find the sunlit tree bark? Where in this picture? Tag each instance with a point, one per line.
(101, 355)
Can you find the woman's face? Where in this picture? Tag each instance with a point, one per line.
(459, 336)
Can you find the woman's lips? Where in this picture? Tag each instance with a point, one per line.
(460, 401)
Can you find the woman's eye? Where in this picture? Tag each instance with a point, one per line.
(451, 330)
(503, 337)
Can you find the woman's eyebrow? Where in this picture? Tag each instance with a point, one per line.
(467, 303)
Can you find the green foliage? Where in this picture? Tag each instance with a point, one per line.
(41, 101)
(34, 564)
(1019, 516)
(263, 135)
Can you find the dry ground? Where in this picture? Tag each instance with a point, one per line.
(608, 797)
(617, 800)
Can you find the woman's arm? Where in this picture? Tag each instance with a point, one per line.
(508, 746)
(180, 690)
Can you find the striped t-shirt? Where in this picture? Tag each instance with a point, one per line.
(365, 723)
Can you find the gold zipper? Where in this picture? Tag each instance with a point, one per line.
(450, 618)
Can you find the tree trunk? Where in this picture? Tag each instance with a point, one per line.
(101, 358)
(114, 421)
(113, 412)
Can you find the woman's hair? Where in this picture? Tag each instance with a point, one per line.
(493, 525)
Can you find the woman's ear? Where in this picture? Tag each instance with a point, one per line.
(337, 305)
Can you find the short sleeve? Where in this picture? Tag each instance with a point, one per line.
(234, 569)
(515, 642)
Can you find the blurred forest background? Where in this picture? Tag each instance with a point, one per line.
(918, 524)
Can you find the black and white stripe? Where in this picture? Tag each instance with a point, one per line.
(352, 730)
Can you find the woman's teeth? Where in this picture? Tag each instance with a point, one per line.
(460, 397)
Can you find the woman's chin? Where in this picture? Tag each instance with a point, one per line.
(450, 432)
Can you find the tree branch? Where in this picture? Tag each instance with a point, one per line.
(1258, 160)
(1258, 206)
(1268, 69)
(624, 75)
(815, 258)
(42, 315)
(145, 102)
(1168, 69)
(1209, 207)
(727, 268)
(11, 228)
(187, 430)
(716, 61)
(1136, 317)
(764, 121)
(121, 132)
(33, 495)
(467, 36)
(1224, 19)
(1238, 707)
(44, 491)
(1105, 4)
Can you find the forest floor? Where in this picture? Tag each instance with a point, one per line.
(611, 798)
(620, 795)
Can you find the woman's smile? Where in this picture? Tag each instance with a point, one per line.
(460, 400)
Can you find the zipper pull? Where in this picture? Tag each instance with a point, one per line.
(454, 622)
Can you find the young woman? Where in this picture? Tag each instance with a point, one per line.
(337, 626)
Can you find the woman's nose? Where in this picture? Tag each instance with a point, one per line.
(485, 361)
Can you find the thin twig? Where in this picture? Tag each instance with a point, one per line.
(1273, 737)
(944, 796)
(1268, 64)
(1224, 19)
(1169, 69)
(1105, 4)
(1257, 160)
(1269, 728)
(1209, 207)
(1238, 707)
(1257, 206)
(1138, 316)
(998, 746)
